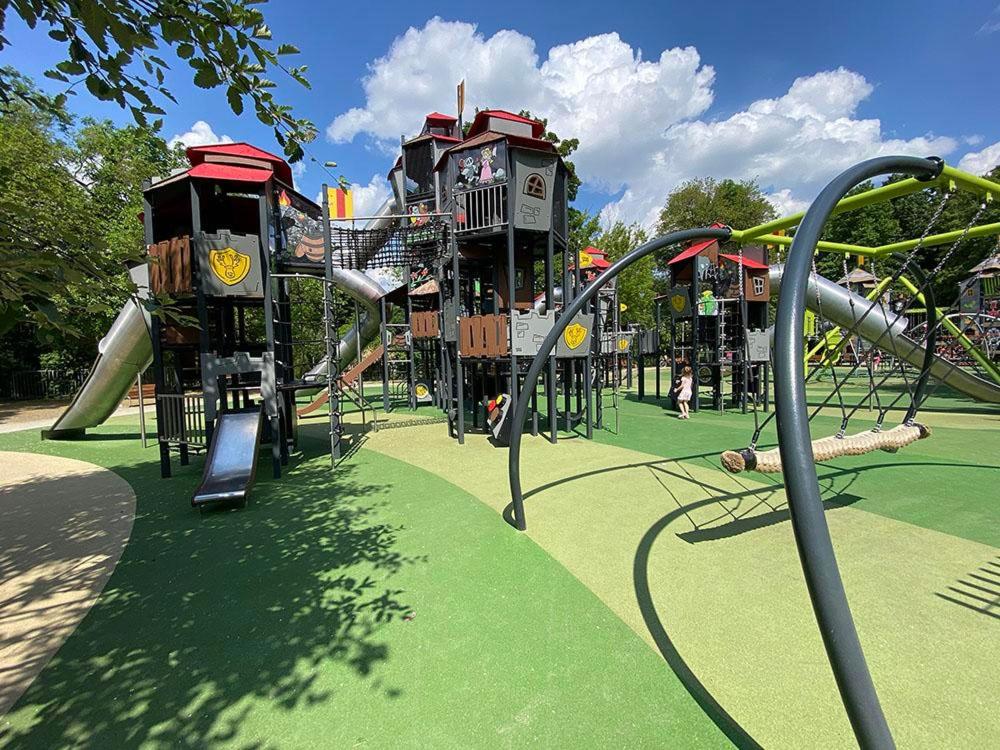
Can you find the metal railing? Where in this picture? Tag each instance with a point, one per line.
(182, 419)
(482, 208)
(34, 385)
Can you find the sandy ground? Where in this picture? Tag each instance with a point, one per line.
(63, 526)
(25, 415)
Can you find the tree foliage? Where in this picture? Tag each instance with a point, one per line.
(113, 50)
(908, 218)
(636, 283)
(702, 201)
(69, 221)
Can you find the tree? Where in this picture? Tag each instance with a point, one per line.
(702, 201)
(45, 220)
(584, 228)
(908, 218)
(872, 225)
(635, 284)
(111, 48)
(113, 163)
(69, 220)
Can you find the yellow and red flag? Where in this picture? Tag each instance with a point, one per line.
(341, 203)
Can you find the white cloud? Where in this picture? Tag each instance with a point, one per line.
(298, 169)
(200, 134)
(641, 123)
(785, 203)
(791, 145)
(369, 198)
(981, 162)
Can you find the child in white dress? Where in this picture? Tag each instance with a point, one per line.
(683, 392)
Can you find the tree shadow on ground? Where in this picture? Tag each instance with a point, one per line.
(209, 615)
(55, 557)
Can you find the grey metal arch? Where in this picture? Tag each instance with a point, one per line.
(812, 535)
(567, 315)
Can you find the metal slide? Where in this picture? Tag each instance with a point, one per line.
(541, 302)
(127, 350)
(231, 465)
(367, 293)
(122, 354)
(885, 330)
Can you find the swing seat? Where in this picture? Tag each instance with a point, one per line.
(828, 448)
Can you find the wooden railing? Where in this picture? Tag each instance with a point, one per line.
(170, 266)
(483, 336)
(481, 209)
(424, 325)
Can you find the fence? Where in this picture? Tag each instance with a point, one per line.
(36, 385)
(183, 419)
(479, 209)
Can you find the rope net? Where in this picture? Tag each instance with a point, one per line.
(403, 245)
(877, 347)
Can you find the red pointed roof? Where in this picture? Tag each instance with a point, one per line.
(439, 117)
(691, 251)
(200, 154)
(212, 171)
(748, 262)
(597, 258)
(481, 122)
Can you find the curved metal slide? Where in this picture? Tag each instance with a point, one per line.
(127, 350)
(885, 330)
(122, 354)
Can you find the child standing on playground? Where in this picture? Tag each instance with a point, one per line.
(683, 392)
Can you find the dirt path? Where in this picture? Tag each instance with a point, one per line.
(63, 526)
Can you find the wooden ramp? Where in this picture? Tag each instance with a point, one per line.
(346, 379)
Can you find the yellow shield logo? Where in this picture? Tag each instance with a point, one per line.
(678, 302)
(574, 335)
(622, 344)
(586, 259)
(229, 265)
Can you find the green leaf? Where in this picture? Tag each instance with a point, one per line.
(206, 78)
(56, 76)
(235, 100)
(185, 50)
(287, 49)
(99, 88)
(262, 32)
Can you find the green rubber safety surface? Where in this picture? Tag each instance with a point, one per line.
(919, 484)
(374, 606)
(702, 564)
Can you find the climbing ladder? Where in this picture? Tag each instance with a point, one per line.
(396, 357)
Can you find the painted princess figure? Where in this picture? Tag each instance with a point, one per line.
(486, 164)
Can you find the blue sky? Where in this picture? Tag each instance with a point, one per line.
(785, 93)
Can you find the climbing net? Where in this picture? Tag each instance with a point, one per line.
(403, 244)
(878, 351)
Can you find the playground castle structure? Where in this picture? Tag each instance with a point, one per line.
(716, 323)
(476, 313)
(475, 238)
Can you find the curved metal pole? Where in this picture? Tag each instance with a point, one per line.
(541, 358)
(812, 535)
